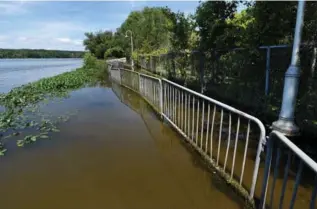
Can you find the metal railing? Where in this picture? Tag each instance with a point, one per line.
(130, 79)
(151, 90)
(286, 167)
(195, 117)
(217, 131)
(148, 87)
(114, 73)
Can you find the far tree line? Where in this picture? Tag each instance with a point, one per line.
(39, 53)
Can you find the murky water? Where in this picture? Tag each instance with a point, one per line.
(16, 72)
(114, 153)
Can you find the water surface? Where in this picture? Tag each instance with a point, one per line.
(16, 72)
(114, 153)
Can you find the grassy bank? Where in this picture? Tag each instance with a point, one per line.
(21, 104)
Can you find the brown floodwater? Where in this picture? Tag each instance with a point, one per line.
(115, 153)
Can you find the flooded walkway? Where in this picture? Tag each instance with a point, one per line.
(115, 153)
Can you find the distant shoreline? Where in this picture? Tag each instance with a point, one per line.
(41, 58)
(38, 54)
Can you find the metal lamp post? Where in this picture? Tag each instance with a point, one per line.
(131, 36)
(285, 124)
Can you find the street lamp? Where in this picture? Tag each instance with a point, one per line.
(131, 36)
(285, 124)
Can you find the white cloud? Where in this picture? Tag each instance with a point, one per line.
(12, 8)
(64, 40)
(3, 38)
(45, 35)
(70, 41)
(22, 38)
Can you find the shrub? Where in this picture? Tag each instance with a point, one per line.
(90, 61)
(114, 52)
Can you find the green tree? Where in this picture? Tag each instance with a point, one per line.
(211, 19)
(98, 43)
(151, 29)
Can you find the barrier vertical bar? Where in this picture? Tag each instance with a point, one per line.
(161, 97)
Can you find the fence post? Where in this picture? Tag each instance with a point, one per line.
(150, 64)
(120, 76)
(267, 168)
(313, 63)
(161, 98)
(201, 66)
(154, 64)
(173, 65)
(160, 65)
(267, 72)
(312, 71)
(140, 86)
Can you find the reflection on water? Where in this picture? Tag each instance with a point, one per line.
(113, 154)
(16, 72)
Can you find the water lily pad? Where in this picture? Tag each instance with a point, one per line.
(20, 143)
(2, 152)
(55, 130)
(33, 138)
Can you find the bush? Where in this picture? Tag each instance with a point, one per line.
(116, 52)
(90, 61)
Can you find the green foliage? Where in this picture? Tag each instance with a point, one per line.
(98, 43)
(183, 33)
(39, 53)
(116, 52)
(211, 19)
(151, 29)
(90, 61)
(215, 25)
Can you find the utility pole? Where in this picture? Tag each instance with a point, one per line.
(131, 36)
(286, 124)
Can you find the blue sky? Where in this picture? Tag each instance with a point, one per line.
(61, 25)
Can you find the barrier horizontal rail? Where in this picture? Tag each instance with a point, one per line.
(283, 157)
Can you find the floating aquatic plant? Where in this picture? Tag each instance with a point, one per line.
(22, 109)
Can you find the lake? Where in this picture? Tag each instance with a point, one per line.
(16, 72)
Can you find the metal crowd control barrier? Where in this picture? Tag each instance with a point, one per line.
(114, 73)
(214, 129)
(287, 160)
(211, 127)
(230, 140)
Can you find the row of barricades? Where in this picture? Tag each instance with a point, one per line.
(268, 171)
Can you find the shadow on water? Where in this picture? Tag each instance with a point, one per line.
(115, 153)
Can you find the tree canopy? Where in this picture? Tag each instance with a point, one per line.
(214, 25)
